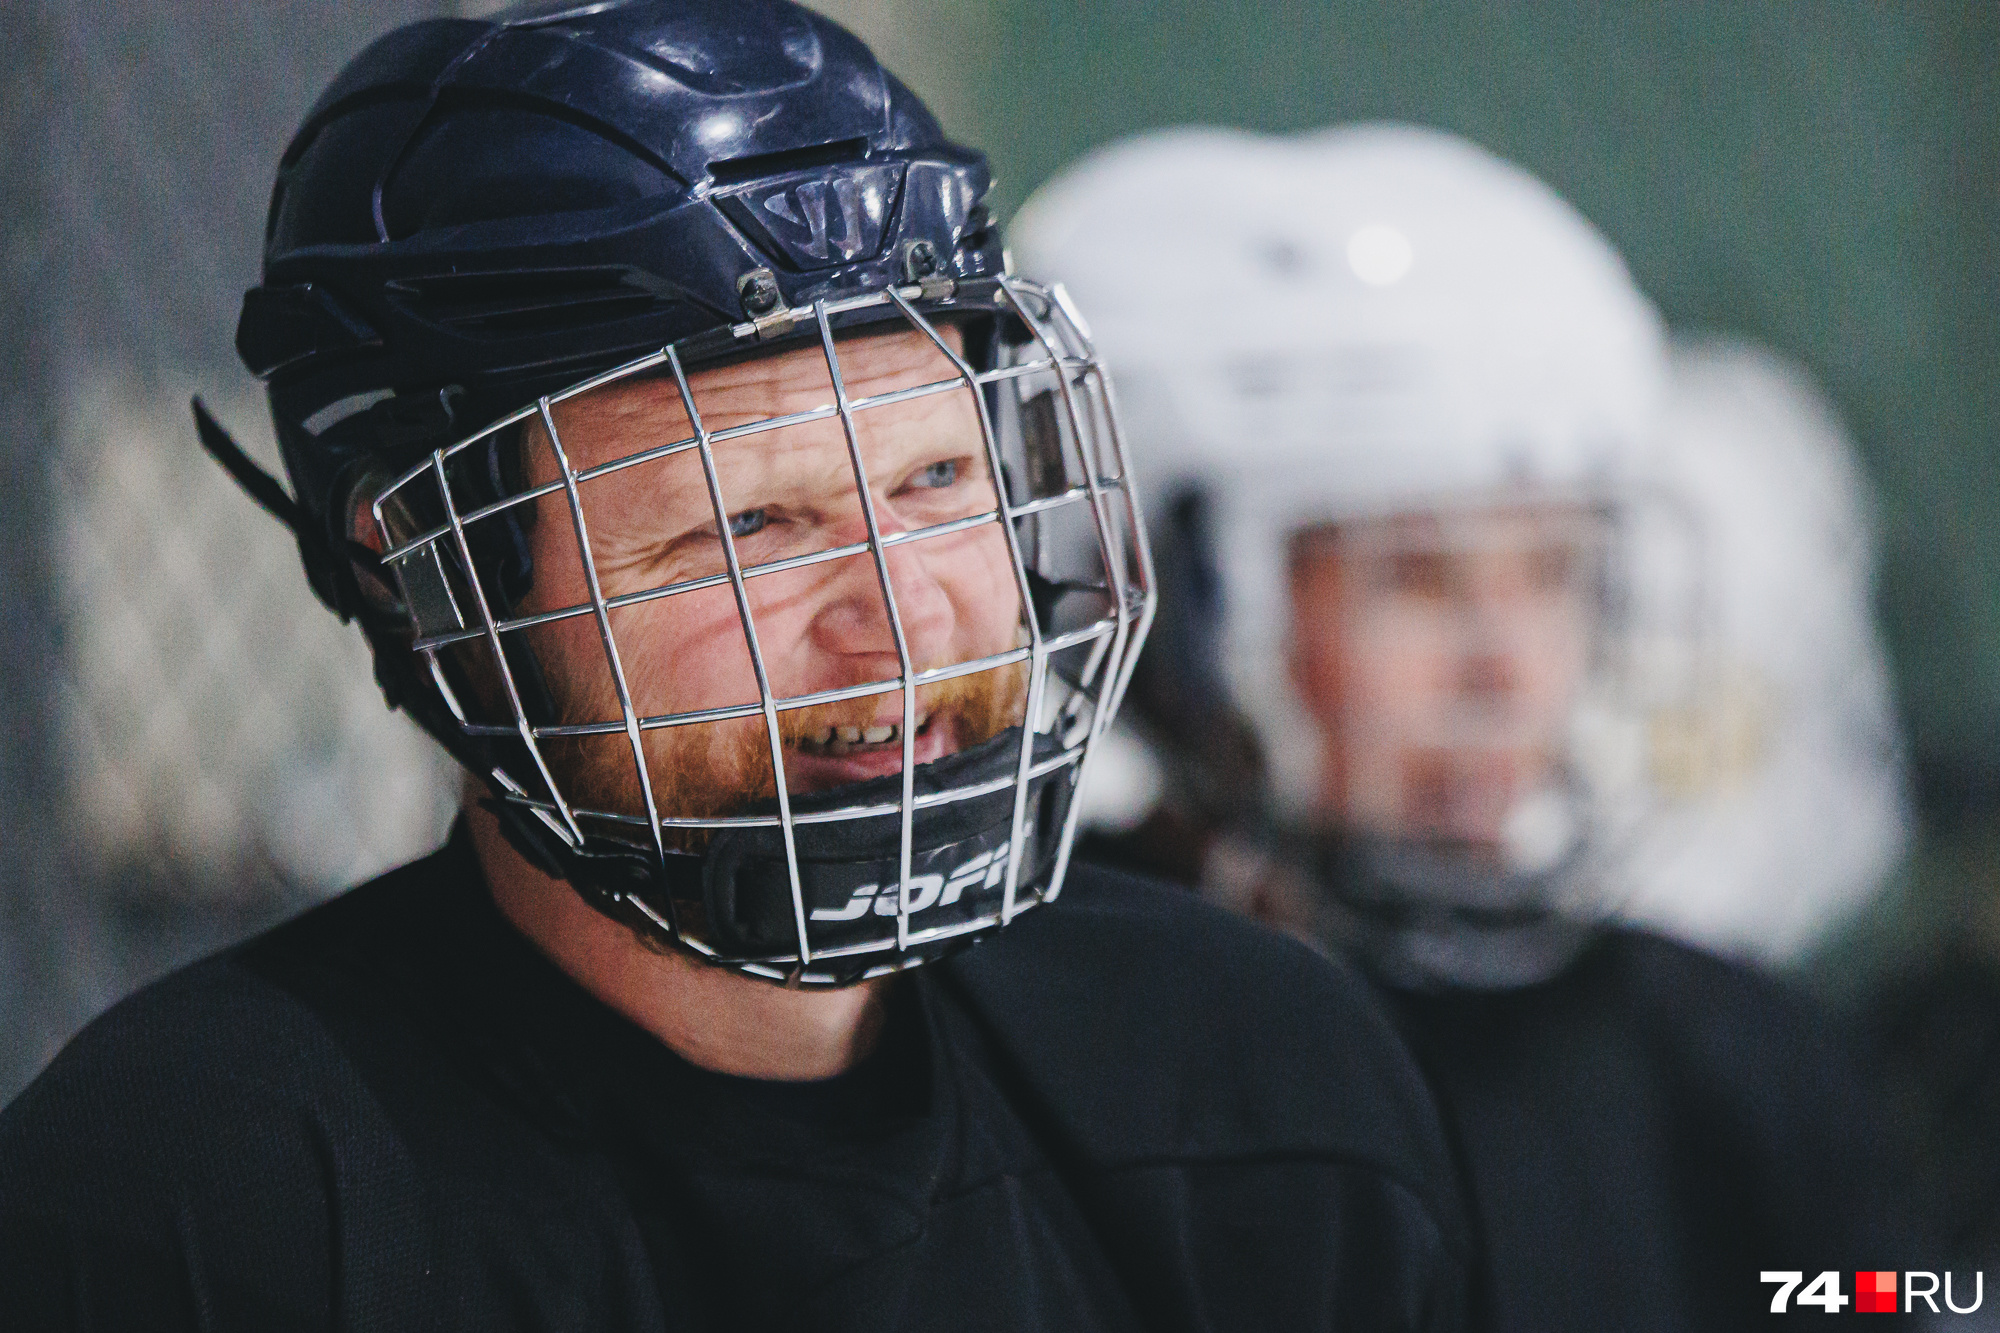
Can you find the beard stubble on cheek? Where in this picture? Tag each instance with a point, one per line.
(713, 770)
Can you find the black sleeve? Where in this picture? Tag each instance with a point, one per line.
(149, 1180)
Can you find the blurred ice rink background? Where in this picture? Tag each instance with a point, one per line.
(195, 748)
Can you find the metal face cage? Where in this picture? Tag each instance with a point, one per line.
(798, 881)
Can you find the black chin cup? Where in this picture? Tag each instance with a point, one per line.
(1428, 919)
(849, 870)
(736, 897)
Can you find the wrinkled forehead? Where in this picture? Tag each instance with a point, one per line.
(644, 411)
(1469, 531)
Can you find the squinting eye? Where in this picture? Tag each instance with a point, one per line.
(748, 522)
(938, 475)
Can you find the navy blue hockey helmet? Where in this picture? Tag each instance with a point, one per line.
(482, 220)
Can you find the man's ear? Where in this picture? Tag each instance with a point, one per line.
(1305, 647)
(363, 549)
(362, 529)
(1295, 666)
(1296, 672)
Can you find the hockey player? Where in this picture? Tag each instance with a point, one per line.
(1389, 403)
(653, 393)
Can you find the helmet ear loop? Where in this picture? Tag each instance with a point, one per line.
(508, 562)
(386, 619)
(374, 594)
(505, 566)
(506, 474)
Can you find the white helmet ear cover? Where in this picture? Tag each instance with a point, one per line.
(1371, 320)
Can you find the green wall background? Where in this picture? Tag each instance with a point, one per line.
(1824, 176)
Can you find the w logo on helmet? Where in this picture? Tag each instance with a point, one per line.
(820, 220)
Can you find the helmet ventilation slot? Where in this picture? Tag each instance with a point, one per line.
(532, 300)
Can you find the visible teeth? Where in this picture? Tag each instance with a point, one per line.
(838, 740)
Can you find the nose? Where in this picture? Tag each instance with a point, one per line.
(1489, 668)
(854, 623)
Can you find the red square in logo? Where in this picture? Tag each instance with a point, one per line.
(1875, 1293)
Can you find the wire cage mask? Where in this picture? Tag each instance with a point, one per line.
(795, 879)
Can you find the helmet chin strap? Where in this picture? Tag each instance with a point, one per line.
(330, 569)
(850, 887)
(1422, 915)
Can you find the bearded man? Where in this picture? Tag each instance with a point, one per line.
(654, 394)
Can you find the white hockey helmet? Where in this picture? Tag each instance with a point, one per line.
(1370, 320)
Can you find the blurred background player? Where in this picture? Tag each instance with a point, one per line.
(1436, 646)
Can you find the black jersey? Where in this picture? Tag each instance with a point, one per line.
(1647, 1133)
(1126, 1111)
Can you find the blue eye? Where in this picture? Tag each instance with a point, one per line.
(938, 475)
(748, 522)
